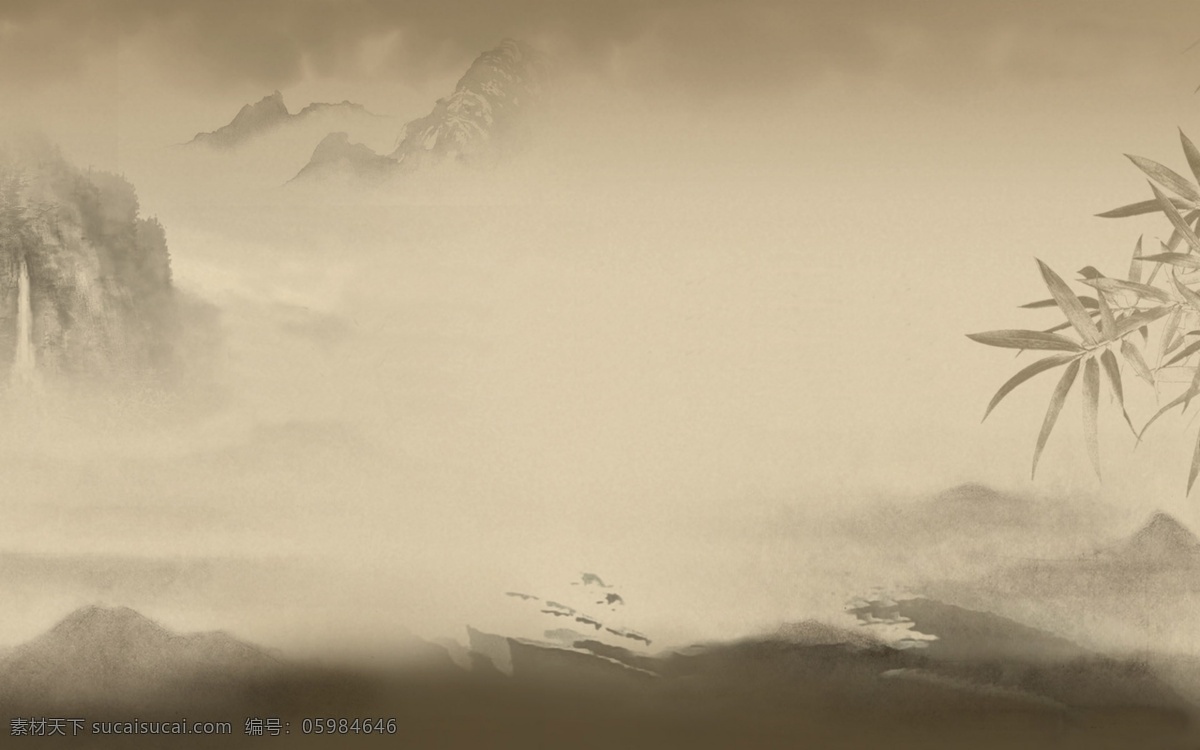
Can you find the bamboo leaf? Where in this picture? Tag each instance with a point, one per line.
(1173, 243)
(1177, 221)
(1193, 156)
(1174, 374)
(1113, 370)
(1140, 208)
(1136, 361)
(1061, 327)
(1018, 339)
(1182, 260)
(1167, 177)
(1171, 405)
(1089, 302)
(1136, 320)
(1070, 305)
(1091, 408)
(1192, 390)
(1108, 324)
(1187, 351)
(1189, 296)
(1195, 465)
(1135, 265)
(1141, 290)
(1090, 272)
(1170, 329)
(1056, 403)
(1184, 397)
(1041, 365)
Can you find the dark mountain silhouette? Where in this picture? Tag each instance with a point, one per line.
(268, 114)
(815, 633)
(974, 660)
(98, 654)
(486, 118)
(584, 659)
(979, 662)
(815, 686)
(965, 634)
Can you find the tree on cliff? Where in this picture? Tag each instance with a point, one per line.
(15, 226)
(103, 304)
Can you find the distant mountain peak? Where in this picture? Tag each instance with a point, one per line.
(484, 119)
(485, 114)
(267, 114)
(1163, 536)
(97, 615)
(268, 108)
(96, 627)
(337, 154)
(974, 503)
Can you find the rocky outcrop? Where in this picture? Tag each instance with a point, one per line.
(486, 116)
(99, 275)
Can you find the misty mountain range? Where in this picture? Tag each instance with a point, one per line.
(485, 119)
(271, 113)
(974, 510)
(1163, 557)
(1140, 590)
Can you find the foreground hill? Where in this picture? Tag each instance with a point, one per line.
(98, 655)
(808, 684)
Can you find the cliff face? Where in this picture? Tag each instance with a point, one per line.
(100, 297)
(484, 117)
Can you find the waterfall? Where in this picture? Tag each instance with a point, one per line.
(24, 368)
